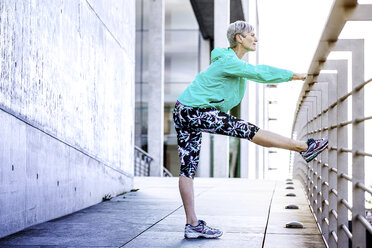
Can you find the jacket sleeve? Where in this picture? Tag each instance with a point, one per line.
(258, 73)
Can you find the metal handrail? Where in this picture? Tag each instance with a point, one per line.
(322, 111)
(166, 173)
(142, 162)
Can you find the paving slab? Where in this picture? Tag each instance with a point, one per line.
(176, 240)
(277, 235)
(154, 216)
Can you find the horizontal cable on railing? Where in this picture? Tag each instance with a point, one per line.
(365, 223)
(334, 235)
(333, 169)
(363, 119)
(317, 131)
(334, 213)
(359, 153)
(359, 87)
(332, 127)
(347, 231)
(333, 191)
(345, 150)
(325, 165)
(347, 205)
(326, 220)
(343, 175)
(345, 123)
(339, 125)
(332, 105)
(326, 184)
(333, 148)
(362, 186)
(343, 98)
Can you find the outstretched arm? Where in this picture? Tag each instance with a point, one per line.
(232, 66)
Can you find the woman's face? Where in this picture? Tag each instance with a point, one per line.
(249, 41)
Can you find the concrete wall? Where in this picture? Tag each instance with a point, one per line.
(66, 106)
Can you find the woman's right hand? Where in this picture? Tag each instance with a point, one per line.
(299, 76)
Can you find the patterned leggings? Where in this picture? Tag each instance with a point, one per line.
(190, 122)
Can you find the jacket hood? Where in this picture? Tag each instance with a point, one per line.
(218, 52)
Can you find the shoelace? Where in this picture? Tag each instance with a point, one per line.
(207, 227)
(210, 228)
(310, 141)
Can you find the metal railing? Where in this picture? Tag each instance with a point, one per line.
(142, 162)
(322, 110)
(166, 173)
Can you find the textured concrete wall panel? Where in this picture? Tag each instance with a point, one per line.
(70, 74)
(66, 106)
(41, 178)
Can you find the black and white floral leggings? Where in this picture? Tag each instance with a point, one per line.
(190, 122)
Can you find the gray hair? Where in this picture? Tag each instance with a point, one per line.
(238, 27)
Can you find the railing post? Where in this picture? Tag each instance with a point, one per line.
(359, 231)
(299, 164)
(325, 77)
(315, 95)
(357, 48)
(311, 164)
(341, 157)
(320, 90)
(309, 109)
(332, 161)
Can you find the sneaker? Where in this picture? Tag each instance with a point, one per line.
(201, 231)
(315, 146)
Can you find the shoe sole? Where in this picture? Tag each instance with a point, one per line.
(197, 235)
(316, 154)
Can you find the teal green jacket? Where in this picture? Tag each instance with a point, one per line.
(222, 85)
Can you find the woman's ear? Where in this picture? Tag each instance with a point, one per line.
(237, 38)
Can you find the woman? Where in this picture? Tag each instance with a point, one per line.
(203, 107)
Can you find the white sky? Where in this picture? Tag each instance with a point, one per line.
(289, 32)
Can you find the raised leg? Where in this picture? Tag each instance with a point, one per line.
(269, 139)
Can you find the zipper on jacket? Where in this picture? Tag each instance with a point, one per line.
(217, 101)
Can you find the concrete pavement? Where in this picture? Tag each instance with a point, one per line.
(250, 212)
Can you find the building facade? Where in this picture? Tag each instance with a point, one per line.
(190, 31)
